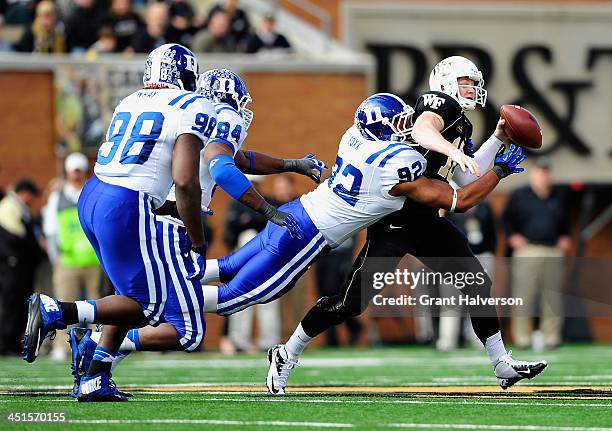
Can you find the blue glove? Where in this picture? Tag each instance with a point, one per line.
(506, 163)
(468, 148)
(199, 263)
(309, 166)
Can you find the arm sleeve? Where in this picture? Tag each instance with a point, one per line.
(484, 157)
(226, 174)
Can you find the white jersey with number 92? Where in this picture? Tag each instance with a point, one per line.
(356, 194)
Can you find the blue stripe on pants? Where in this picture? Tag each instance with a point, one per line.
(273, 270)
(117, 222)
(155, 275)
(185, 302)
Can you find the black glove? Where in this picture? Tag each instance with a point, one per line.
(282, 218)
(309, 166)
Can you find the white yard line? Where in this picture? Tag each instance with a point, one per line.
(289, 399)
(494, 427)
(213, 422)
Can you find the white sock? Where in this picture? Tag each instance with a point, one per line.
(120, 356)
(211, 296)
(211, 273)
(95, 336)
(86, 312)
(297, 342)
(495, 347)
(127, 345)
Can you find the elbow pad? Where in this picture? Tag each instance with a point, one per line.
(226, 174)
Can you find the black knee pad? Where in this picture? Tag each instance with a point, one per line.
(336, 309)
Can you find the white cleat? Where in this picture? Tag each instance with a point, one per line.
(509, 371)
(280, 368)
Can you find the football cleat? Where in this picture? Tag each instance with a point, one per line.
(44, 316)
(281, 366)
(99, 388)
(509, 371)
(83, 348)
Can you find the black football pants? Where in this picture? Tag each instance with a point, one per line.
(435, 241)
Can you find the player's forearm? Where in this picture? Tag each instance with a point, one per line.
(431, 139)
(252, 199)
(251, 162)
(475, 192)
(188, 204)
(484, 157)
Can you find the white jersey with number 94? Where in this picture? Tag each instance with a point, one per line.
(140, 140)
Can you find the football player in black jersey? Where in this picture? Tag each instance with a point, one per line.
(443, 135)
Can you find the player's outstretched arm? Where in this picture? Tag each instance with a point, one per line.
(426, 133)
(437, 193)
(252, 162)
(185, 174)
(224, 171)
(485, 155)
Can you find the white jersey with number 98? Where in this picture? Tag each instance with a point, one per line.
(140, 140)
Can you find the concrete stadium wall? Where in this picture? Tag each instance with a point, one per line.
(27, 122)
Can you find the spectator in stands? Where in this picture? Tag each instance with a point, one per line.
(216, 37)
(537, 227)
(182, 22)
(238, 19)
(106, 43)
(153, 34)
(18, 12)
(46, 34)
(125, 23)
(82, 24)
(5, 46)
(266, 38)
(20, 254)
(73, 258)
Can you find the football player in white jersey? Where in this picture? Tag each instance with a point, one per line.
(183, 312)
(154, 140)
(374, 172)
(443, 134)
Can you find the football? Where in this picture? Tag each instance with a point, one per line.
(521, 126)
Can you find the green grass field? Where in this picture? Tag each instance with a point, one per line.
(361, 389)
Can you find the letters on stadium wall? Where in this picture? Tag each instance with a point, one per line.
(554, 60)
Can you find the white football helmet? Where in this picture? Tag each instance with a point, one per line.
(444, 78)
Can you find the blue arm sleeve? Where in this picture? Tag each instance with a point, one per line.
(226, 174)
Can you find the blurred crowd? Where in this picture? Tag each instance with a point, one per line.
(50, 253)
(133, 26)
